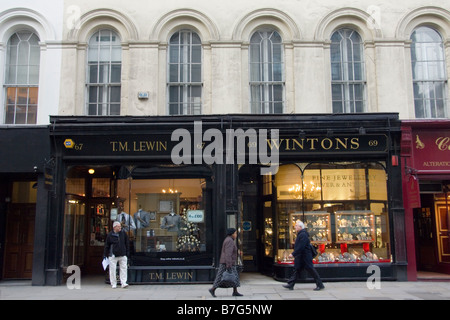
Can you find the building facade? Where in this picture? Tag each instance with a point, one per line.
(104, 86)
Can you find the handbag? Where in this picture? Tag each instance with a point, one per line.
(314, 251)
(228, 276)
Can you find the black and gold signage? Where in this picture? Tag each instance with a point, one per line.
(162, 145)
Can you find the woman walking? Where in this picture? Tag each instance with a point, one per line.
(228, 259)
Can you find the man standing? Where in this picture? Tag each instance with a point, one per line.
(116, 249)
(303, 258)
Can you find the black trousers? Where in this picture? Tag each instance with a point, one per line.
(312, 272)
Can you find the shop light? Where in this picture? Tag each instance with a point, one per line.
(91, 171)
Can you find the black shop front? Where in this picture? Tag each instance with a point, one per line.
(177, 183)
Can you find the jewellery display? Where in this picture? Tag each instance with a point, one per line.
(348, 237)
(317, 223)
(355, 226)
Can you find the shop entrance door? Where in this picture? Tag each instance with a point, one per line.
(19, 242)
(443, 232)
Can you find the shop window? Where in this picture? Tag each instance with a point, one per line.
(24, 192)
(101, 187)
(343, 206)
(168, 215)
(76, 186)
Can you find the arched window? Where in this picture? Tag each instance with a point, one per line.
(22, 78)
(184, 86)
(429, 76)
(104, 67)
(348, 81)
(266, 72)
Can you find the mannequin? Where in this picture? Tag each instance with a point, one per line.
(126, 221)
(142, 219)
(171, 222)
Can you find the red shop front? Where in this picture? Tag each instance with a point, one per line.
(425, 152)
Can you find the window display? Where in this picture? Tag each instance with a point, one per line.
(343, 206)
(168, 214)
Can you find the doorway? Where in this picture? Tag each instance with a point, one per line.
(19, 231)
(432, 232)
(19, 241)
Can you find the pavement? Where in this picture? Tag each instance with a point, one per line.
(254, 287)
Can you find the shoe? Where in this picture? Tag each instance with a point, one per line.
(125, 285)
(212, 292)
(288, 286)
(319, 288)
(114, 287)
(237, 294)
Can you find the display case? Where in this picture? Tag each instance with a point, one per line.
(318, 224)
(355, 227)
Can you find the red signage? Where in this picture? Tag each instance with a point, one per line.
(431, 150)
(413, 192)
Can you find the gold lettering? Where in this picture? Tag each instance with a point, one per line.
(298, 143)
(330, 144)
(312, 141)
(275, 144)
(443, 143)
(354, 143)
(340, 142)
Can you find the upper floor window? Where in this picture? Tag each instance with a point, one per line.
(22, 78)
(429, 76)
(266, 72)
(104, 67)
(348, 81)
(184, 86)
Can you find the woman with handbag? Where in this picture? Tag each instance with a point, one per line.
(227, 275)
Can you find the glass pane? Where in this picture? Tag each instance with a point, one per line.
(93, 94)
(114, 109)
(92, 54)
(116, 73)
(173, 94)
(22, 74)
(196, 54)
(173, 73)
(21, 114)
(115, 94)
(33, 96)
(10, 114)
(105, 53)
(338, 107)
(34, 75)
(196, 73)
(32, 114)
(93, 74)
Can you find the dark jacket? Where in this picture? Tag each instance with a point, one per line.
(228, 255)
(119, 244)
(302, 250)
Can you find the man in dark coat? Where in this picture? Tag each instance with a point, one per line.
(303, 258)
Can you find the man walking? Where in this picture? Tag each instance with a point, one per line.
(116, 249)
(303, 258)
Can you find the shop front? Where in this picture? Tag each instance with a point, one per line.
(177, 183)
(25, 177)
(426, 183)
